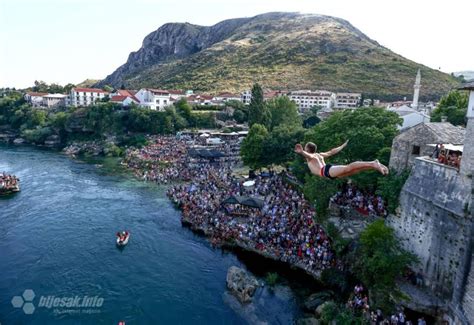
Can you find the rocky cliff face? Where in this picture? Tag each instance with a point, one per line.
(172, 41)
(279, 50)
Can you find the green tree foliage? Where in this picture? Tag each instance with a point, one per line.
(43, 87)
(241, 111)
(367, 129)
(101, 118)
(283, 111)
(37, 135)
(379, 260)
(178, 121)
(253, 146)
(453, 106)
(240, 116)
(370, 132)
(278, 146)
(258, 112)
(319, 190)
(389, 188)
(184, 109)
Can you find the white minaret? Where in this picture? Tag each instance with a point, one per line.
(467, 161)
(416, 93)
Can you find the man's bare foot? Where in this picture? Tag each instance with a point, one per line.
(381, 168)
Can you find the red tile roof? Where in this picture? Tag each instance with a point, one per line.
(176, 92)
(126, 92)
(90, 90)
(119, 98)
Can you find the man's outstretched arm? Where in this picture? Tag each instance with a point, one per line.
(299, 150)
(334, 151)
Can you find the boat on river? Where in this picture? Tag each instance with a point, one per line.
(9, 184)
(122, 238)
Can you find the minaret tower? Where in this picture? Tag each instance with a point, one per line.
(467, 161)
(416, 93)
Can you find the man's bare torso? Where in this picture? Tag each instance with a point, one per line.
(316, 163)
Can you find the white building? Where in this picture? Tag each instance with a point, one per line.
(54, 100)
(201, 100)
(35, 98)
(246, 97)
(86, 96)
(347, 100)
(224, 97)
(155, 99)
(410, 116)
(306, 99)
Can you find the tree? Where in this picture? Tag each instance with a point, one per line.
(108, 88)
(253, 145)
(40, 86)
(453, 106)
(283, 111)
(310, 118)
(319, 191)
(239, 116)
(368, 130)
(184, 109)
(379, 260)
(258, 113)
(389, 188)
(278, 146)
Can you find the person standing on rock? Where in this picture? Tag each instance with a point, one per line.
(318, 166)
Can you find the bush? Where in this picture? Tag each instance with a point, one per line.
(271, 279)
(390, 186)
(37, 135)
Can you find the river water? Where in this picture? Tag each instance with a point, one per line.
(57, 238)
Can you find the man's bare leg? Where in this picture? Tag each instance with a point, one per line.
(357, 167)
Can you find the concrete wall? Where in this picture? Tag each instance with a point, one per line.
(433, 223)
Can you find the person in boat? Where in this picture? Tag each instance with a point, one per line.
(318, 166)
(121, 236)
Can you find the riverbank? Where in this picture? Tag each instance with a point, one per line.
(233, 244)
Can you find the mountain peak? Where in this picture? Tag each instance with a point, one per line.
(282, 50)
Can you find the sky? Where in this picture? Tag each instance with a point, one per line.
(68, 41)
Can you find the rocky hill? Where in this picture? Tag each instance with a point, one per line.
(279, 50)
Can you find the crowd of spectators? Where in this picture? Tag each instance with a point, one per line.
(359, 300)
(364, 202)
(443, 156)
(165, 159)
(284, 228)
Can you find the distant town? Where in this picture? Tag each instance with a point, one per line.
(412, 112)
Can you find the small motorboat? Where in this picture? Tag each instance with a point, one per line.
(122, 238)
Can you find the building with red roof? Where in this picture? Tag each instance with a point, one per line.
(86, 96)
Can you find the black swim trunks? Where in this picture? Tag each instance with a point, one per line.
(325, 171)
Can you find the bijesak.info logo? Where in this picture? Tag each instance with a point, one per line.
(59, 305)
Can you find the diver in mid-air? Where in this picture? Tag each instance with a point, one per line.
(318, 167)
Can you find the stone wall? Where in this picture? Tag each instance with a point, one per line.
(468, 299)
(433, 223)
(401, 156)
